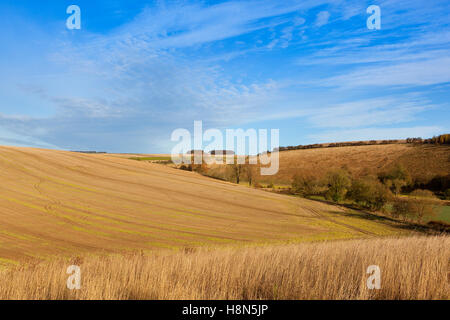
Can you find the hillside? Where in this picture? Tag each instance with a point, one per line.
(423, 162)
(66, 203)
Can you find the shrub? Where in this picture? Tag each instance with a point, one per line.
(186, 167)
(420, 193)
(397, 178)
(233, 172)
(257, 185)
(369, 193)
(419, 206)
(338, 184)
(306, 185)
(447, 194)
(200, 168)
(400, 208)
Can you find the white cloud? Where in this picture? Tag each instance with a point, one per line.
(188, 25)
(322, 18)
(10, 138)
(417, 73)
(370, 112)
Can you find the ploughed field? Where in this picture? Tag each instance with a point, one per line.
(58, 203)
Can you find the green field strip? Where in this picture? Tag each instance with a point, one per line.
(24, 237)
(151, 229)
(172, 230)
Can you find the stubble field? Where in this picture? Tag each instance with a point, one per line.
(62, 203)
(140, 230)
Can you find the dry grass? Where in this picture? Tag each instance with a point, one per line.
(411, 268)
(423, 162)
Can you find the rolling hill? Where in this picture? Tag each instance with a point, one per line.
(423, 162)
(59, 203)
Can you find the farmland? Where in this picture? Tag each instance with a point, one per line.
(423, 162)
(58, 203)
(144, 230)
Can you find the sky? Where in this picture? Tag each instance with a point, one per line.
(137, 70)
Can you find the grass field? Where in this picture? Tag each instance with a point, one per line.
(410, 268)
(444, 214)
(55, 203)
(423, 162)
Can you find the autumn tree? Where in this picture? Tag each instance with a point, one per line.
(423, 204)
(236, 172)
(338, 185)
(369, 193)
(250, 173)
(306, 184)
(397, 178)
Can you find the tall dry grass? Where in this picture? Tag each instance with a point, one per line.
(411, 268)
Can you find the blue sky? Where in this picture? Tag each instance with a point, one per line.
(137, 70)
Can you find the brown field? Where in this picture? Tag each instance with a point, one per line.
(411, 268)
(57, 203)
(422, 161)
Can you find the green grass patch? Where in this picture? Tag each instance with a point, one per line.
(444, 214)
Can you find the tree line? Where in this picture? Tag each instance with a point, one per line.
(337, 144)
(441, 139)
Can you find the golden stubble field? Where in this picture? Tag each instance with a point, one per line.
(57, 203)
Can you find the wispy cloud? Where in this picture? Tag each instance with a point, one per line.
(420, 73)
(228, 63)
(322, 18)
(370, 112)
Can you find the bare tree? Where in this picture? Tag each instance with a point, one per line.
(422, 204)
(250, 173)
(237, 170)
